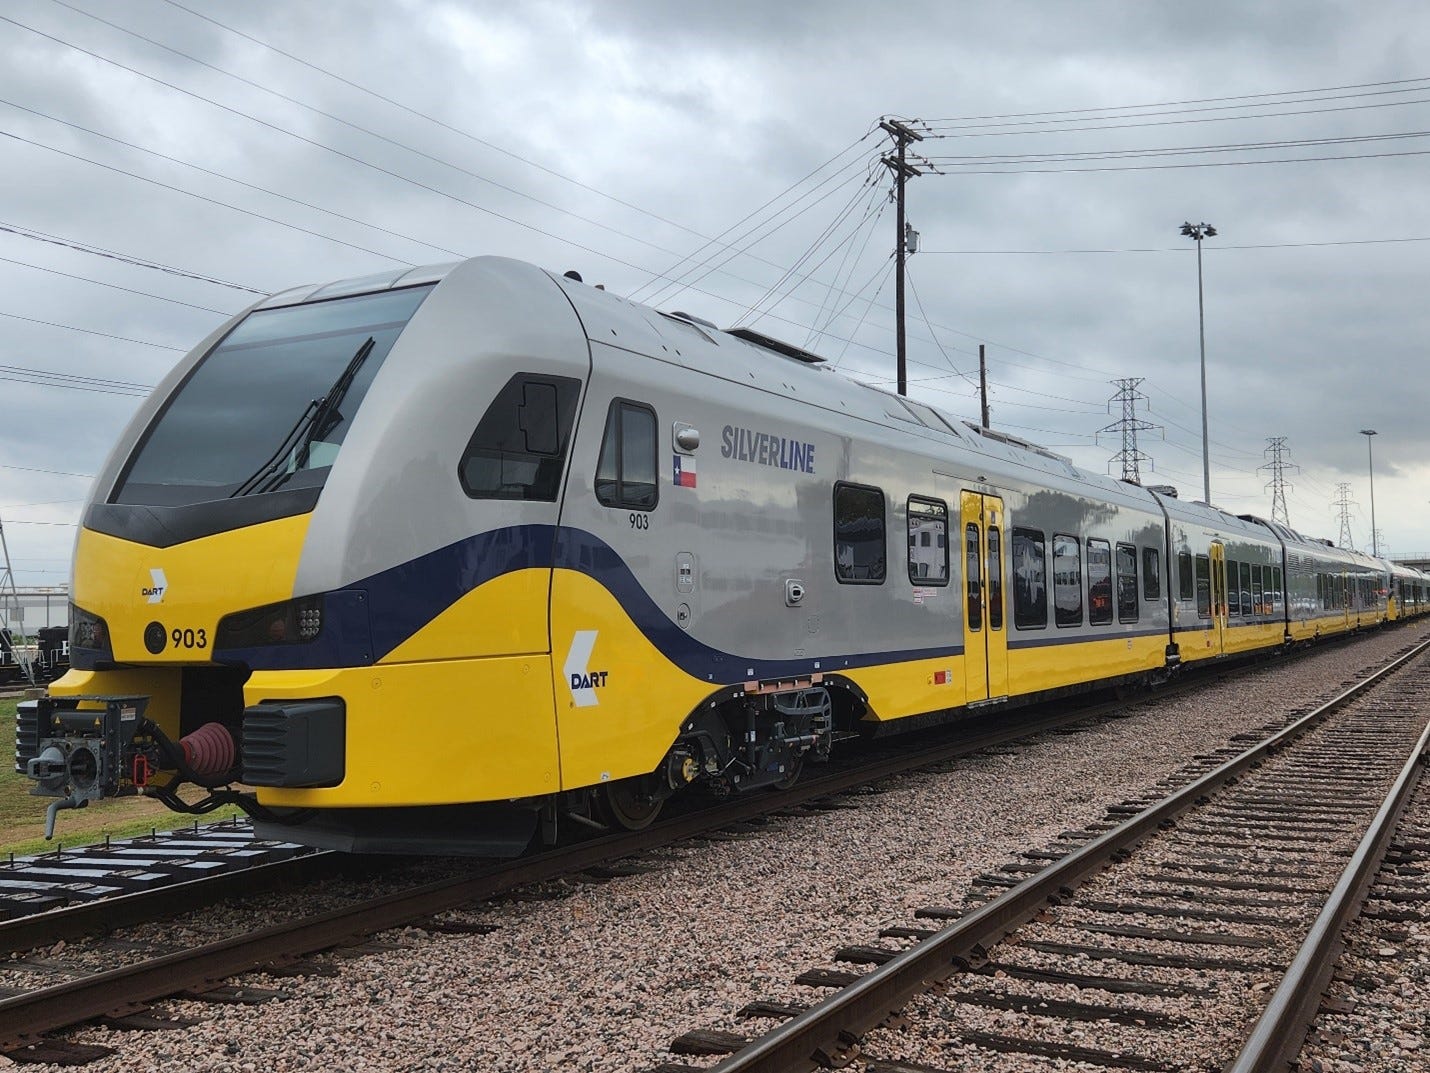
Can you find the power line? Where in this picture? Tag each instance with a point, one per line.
(73, 244)
(115, 286)
(90, 331)
(51, 472)
(1194, 101)
(430, 119)
(1074, 156)
(1187, 250)
(203, 198)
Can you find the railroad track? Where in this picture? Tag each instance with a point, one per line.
(69, 885)
(1202, 949)
(112, 869)
(49, 990)
(57, 988)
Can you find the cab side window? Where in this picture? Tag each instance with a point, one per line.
(519, 448)
(625, 476)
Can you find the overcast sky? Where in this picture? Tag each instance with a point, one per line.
(165, 162)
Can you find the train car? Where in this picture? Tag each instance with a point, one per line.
(1228, 595)
(1407, 594)
(11, 668)
(52, 651)
(431, 560)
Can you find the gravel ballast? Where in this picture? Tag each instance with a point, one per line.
(604, 976)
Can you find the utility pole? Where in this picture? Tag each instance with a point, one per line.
(1278, 484)
(1344, 501)
(897, 162)
(1128, 427)
(983, 383)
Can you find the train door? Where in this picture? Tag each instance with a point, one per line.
(985, 651)
(1219, 590)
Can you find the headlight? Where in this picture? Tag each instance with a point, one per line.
(88, 631)
(293, 622)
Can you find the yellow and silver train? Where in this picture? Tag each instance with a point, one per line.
(429, 561)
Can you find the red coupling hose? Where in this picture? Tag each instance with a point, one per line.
(209, 751)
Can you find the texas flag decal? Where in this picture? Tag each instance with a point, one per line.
(684, 471)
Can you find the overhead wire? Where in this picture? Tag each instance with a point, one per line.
(91, 331)
(129, 259)
(829, 230)
(116, 287)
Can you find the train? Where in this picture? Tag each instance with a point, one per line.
(461, 558)
(49, 660)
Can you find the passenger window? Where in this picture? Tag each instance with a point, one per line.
(625, 477)
(928, 541)
(1067, 580)
(1233, 569)
(1258, 605)
(1099, 582)
(1126, 583)
(1030, 580)
(974, 574)
(1186, 588)
(1247, 596)
(519, 448)
(995, 578)
(1204, 587)
(859, 542)
(1151, 574)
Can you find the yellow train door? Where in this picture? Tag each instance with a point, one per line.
(985, 651)
(1219, 605)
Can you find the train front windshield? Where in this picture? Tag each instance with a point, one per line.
(268, 408)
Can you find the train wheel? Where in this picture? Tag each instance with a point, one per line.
(628, 804)
(791, 775)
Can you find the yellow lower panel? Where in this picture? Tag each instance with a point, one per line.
(900, 690)
(1253, 637)
(897, 690)
(1031, 670)
(625, 709)
(1307, 629)
(430, 733)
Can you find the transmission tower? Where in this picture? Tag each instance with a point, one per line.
(1344, 502)
(10, 598)
(1278, 484)
(1128, 427)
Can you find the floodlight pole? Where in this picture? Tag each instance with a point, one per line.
(1370, 460)
(1198, 232)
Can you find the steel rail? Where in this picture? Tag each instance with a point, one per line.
(1280, 1032)
(104, 914)
(143, 906)
(826, 1032)
(26, 1018)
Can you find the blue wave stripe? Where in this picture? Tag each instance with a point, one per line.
(404, 599)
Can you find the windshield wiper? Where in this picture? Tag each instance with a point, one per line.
(319, 418)
(274, 461)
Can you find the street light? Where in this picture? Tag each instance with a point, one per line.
(1370, 458)
(1199, 232)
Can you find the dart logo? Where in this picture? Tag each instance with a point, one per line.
(582, 680)
(155, 592)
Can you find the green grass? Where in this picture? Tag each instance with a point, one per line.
(22, 816)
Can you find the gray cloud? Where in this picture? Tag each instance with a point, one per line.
(693, 115)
